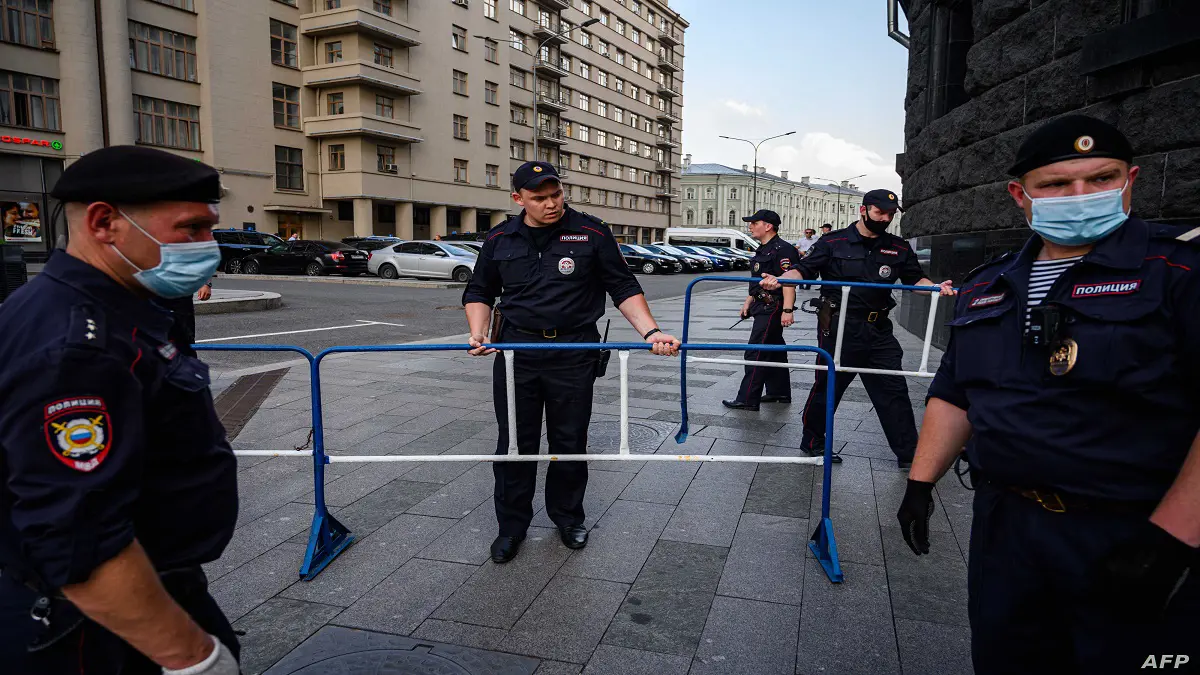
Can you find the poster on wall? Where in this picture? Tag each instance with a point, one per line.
(22, 222)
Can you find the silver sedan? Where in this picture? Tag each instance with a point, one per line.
(424, 260)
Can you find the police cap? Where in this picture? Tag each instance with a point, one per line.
(882, 199)
(1071, 137)
(764, 215)
(531, 175)
(130, 174)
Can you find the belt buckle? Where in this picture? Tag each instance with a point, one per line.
(872, 317)
(550, 334)
(1055, 506)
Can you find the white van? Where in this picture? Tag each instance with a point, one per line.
(696, 236)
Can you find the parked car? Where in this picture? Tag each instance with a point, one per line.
(237, 244)
(739, 262)
(373, 243)
(720, 263)
(691, 263)
(647, 262)
(314, 258)
(424, 259)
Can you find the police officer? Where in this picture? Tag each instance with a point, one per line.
(118, 482)
(772, 312)
(1071, 376)
(865, 251)
(550, 267)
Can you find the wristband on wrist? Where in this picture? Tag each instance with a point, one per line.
(789, 310)
(651, 332)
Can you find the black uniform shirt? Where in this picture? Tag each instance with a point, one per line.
(774, 257)
(560, 288)
(845, 255)
(107, 433)
(1120, 422)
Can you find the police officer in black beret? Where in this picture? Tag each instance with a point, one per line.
(1071, 376)
(118, 482)
(550, 267)
(865, 251)
(772, 311)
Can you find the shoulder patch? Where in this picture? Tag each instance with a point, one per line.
(79, 432)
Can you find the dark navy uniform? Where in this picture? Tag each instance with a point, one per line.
(774, 257)
(1098, 445)
(845, 255)
(550, 284)
(107, 434)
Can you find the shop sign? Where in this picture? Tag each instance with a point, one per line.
(20, 140)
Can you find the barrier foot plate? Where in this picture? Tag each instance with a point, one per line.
(824, 547)
(326, 540)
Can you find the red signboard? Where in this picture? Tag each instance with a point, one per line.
(19, 140)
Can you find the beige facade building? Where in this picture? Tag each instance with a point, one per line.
(333, 118)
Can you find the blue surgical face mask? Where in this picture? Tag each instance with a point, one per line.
(182, 268)
(1078, 219)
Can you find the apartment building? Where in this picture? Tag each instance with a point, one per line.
(329, 118)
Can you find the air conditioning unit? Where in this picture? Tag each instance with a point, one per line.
(462, 3)
(391, 168)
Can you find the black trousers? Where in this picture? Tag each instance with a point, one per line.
(1030, 603)
(867, 345)
(559, 385)
(90, 648)
(767, 329)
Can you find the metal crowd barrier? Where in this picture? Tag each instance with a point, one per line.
(328, 537)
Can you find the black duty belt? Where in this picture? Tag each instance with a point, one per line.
(552, 333)
(768, 298)
(1057, 501)
(868, 315)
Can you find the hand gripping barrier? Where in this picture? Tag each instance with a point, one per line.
(328, 537)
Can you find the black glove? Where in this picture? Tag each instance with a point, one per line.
(1140, 576)
(915, 511)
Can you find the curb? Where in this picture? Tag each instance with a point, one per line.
(260, 302)
(399, 283)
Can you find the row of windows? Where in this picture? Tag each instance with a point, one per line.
(27, 22)
(655, 20)
(162, 52)
(166, 123)
(781, 200)
(612, 199)
(385, 156)
(520, 42)
(731, 219)
(28, 101)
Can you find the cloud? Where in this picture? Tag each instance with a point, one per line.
(829, 157)
(744, 109)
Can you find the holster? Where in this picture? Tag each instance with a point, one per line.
(602, 362)
(497, 325)
(825, 311)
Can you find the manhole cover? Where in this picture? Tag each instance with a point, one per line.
(606, 435)
(334, 650)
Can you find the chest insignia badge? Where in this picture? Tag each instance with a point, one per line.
(885, 272)
(168, 351)
(77, 431)
(986, 300)
(1063, 356)
(566, 266)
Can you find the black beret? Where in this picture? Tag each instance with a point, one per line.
(131, 174)
(884, 199)
(1071, 137)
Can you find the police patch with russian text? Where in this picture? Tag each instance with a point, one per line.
(78, 432)
(889, 251)
(986, 300)
(1106, 288)
(572, 237)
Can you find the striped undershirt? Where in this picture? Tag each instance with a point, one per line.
(1042, 277)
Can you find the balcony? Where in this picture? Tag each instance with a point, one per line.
(668, 90)
(548, 135)
(363, 73)
(549, 68)
(668, 64)
(553, 102)
(666, 141)
(555, 5)
(663, 192)
(549, 34)
(353, 19)
(669, 37)
(331, 126)
(668, 117)
(665, 167)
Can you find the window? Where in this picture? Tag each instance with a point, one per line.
(708, 193)
(586, 7)
(620, 27)
(491, 175)
(604, 17)
(601, 168)
(460, 127)
(28, 23)
(601, 138)
(382, 6)
(189, 5)
(333, 52)
(691, 193)
(602, 47)
(620, 57)
(733, 219)
(460, 171)
(167, 123)
(460, 82)
(585, 133)
(458, 38)
(333, 4)
(517, 40)
(618, 142)
(283, 44)
(383, 56)
(951, 36)
(385, 157)
(708, 217)
(162, 52)
(489, 51)
(335, 104)
(286, 104)
(603, 79)
(289, 168)
(585, 194)
(733, 193)
(491, 93)
(602, 108)
(619, 85)
(516, 150)
(517, 6)
(585, 163)
(619, 115)
(691, 217)
(385, 106)
(633, 147)
(633, 92)
(29, 101)
(632, 175)
(489, 9)
(585, 39)
(337, 158)
(519, 116)
(585, 71)
(585, 103)
(491, 134)
(636, 36)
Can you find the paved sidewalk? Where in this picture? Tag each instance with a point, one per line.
(690, 569)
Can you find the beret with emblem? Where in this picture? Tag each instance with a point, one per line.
(130, 174)
(1071, 137)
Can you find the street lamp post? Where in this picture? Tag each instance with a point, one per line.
(838, 206)
(755, 167)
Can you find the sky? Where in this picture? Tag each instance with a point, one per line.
(825, 69)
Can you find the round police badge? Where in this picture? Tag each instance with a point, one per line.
(1063, 356)
(77, 431)
(1084, 144)
(756, 267)
(566, 266)
(885, 272)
